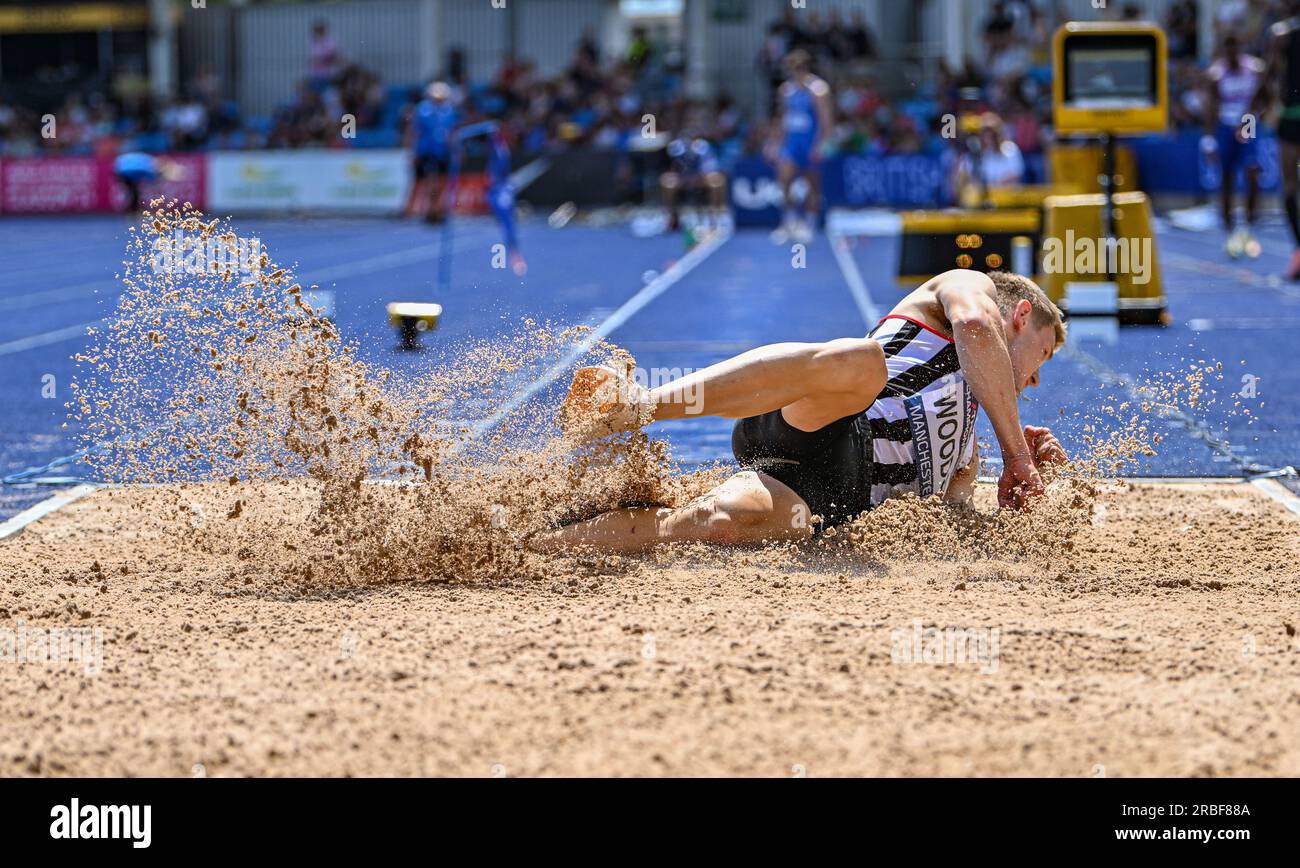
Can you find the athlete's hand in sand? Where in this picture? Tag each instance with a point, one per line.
(1019, 482)
(601, 401)
(1045, 447)
(1020, 479)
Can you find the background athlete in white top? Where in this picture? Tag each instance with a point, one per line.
(1230, 136)
(801, 436)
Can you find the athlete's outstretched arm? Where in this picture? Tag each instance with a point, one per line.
(981, 341)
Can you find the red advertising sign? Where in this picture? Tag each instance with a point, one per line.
(50, 185)
(471, 194)
(80, 185)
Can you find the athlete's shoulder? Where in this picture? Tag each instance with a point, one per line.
(1253, 64)
(963, 279)
(819, 87)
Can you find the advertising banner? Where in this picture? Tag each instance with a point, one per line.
(85, 185)
(755, 195)
(51, 185)
(891, 181)
(367, 182)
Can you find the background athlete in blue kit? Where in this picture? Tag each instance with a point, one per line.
(501, 198)
(804, 103)
(434, 121)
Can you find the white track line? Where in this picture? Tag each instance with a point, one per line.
(1195, 428)
(46, 338)
(62, 293)
(853, 277)
(1202, 267)
(19, 522)
(629, 308)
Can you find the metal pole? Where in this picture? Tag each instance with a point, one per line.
(1108, 191)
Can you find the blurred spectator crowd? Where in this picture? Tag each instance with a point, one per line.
(602, 101)
(1009, 88)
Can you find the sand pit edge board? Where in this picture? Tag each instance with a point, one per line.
(16, 525)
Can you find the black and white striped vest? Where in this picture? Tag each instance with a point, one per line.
(923, 424)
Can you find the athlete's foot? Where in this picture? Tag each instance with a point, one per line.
(1236, 245)
(781, 234)
(1252, 247)
(601, 401)
(1293, 270)
(803, 232)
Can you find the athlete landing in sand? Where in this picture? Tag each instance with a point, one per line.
(833, 429)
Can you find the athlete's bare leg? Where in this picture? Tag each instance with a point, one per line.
(1252, 194)
(415, 206)
(1289, 160)
(813, 384)
(435, 207)
(1226, 190)
(669, 185)
(813, 204)
(716, 183)
(785, 174)
(747, 509)
(1289, 157)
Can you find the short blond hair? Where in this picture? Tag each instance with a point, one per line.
(1009, 289)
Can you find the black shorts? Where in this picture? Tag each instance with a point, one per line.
(429, 166)
(830, 468)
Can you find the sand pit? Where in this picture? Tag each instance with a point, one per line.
(1162, 643)
(315, 565)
